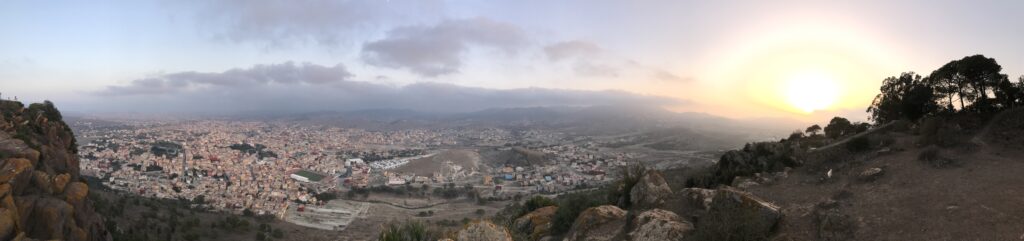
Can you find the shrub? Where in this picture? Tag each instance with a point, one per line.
(933, 156)
(406, 231)
(858, 144)
(570, 207)
(537, 202)
(618, 193)
(730, 224)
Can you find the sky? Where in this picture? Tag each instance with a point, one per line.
(805, 60)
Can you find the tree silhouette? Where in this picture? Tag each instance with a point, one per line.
(813, 130)
(838, 127)
(904, 97)
(969, 80)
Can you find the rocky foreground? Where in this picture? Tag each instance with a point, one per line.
(43, 195)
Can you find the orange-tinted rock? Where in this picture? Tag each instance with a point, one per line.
(8, 228)
(483, 231)
(602, 223)
(536, 223)
(12, 167)
(42, 181)
(60, 181)
(75, 192)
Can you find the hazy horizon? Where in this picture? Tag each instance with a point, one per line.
(797, 60)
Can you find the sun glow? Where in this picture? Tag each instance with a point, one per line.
(811, 90)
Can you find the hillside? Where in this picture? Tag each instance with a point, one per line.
(43, 194)
(948, 177)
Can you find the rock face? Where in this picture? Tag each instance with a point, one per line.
(41, 194)
(483, 231)
(536, 223)
(658, 225)
(602, 223)
(651, 191)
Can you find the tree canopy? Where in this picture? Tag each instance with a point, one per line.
(974, 83)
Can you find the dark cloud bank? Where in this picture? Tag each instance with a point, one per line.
(305, 87)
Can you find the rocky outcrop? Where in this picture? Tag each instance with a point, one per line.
(483, 231)
(601, 223)
(658, 225)
(650, 192)
(41, 194)
(537, 223)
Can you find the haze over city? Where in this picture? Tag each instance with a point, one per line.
(802, 60)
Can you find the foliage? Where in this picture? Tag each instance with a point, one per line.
(933, 157)
(753, 158)
(968, 82)
(838, 127)
(407, 231)
(537, 202)
(858, 144)
(570, 206)
(813, 130)
(618, 193)
(904, 97)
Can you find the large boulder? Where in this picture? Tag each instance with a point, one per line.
(49, 218)
(483, 231)
(601, 223)
(659, 225)
(650, 192)
(738, 214)
(536, 223)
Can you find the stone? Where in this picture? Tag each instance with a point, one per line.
(735, 211)
(536, 223)
(8, 226)
(48, 219)
(60, 181)
(15, 148)
(601, 223)
(871, 174)
(650, 191)
(76, 192)
(483, 231)
(12, 167)
(744, 182)
(42, 181)
(699, 197)
(833, 224)
(658, 225)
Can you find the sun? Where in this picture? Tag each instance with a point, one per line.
(811, 90)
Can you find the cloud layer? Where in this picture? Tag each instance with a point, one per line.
(287, 73)
(325, 22)
(438, 50)
(310, 87)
